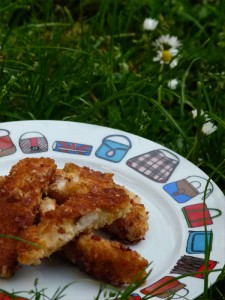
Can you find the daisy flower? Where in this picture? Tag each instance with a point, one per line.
(172, 84)
(195, 112)
(202, 113)
(150, 24)
(167, 48)
(208, 128)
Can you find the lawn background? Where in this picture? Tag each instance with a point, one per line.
(92, 62)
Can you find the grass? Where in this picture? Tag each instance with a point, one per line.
(91, 61)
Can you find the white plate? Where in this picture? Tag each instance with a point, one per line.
(149, 170)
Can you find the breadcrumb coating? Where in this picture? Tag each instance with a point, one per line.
(79, 213)
(81, 180)
(106, 260)
(20, 196)
(130, 229)
(56, 210)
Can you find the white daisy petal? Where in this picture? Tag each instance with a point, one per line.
(150, 24)
(208, 128)
(156, 58)
(195, 112)
(172, 84)
(173, 51)
(174, 63)
(174, 42)
(207, 118)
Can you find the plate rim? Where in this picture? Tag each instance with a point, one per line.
(130, 135)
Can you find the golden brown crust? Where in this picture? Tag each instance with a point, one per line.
(81, 180)
(132, 227)
(74, 179)
(78, 213)
(83, 200)
(20, 197)
(106, 260)
(2, 181)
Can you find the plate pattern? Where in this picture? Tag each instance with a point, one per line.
(156, 165)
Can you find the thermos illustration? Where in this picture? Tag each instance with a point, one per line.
(185, 189)
(114, 148)
(33, 142)
(6, 145)
(157, 165)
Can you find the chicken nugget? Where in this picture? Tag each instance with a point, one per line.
(2, 180)
(101, 258)
(72, 178)
(131, 228)
(46, 205)
(81, 180)
(79, 213)
(106, 260)
(20, 196)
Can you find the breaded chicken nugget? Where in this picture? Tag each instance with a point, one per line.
(101, 258)
(106, 260)
(131, 228)
(46, 205)
(81, 180)
(2, 180)
(20, 196)
(72, 178)
(79, 213)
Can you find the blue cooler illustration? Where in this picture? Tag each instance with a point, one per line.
(196, 243)
(185, 189)
(114, 148)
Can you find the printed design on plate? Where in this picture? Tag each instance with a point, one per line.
(166, 287)
(114, 148)
(7, 146)
(186, 189)
(197, 241)
(193, 265)
(33, 142)
(4, 296)
(199, 214)
(134, 296)
(72, 148)
(158, 165)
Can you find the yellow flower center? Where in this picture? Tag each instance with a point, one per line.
(166, 56)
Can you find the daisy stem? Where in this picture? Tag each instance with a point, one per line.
(160, 86)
